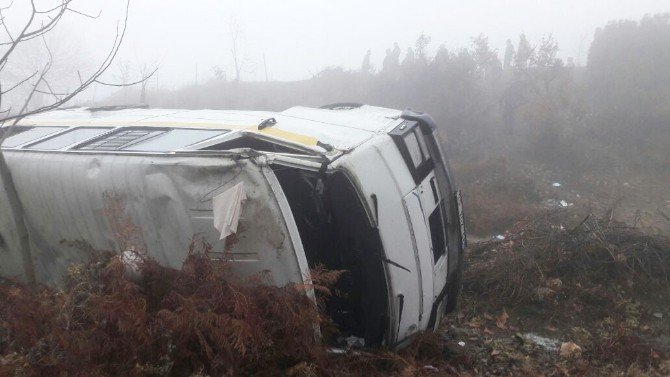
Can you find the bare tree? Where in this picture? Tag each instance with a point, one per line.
(123, 77)
(240, 61)
(219, 73)
(145, 71)
(237, 60)
(421, 48)
(37, 25)
(366, 66)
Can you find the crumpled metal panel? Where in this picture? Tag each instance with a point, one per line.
(168, 197)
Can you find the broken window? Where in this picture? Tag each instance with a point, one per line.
(28, 135)
(68, 138)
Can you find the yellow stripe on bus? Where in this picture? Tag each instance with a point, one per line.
(290, 136)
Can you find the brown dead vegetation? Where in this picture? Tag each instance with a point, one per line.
(171, 322)
(595, 251)
(595, 284)
(597, 290)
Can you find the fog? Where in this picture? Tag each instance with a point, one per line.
(574, 85)
(581, 88)
(300, 38)
(550, 154)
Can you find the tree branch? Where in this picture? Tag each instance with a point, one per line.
(143, 79)
(85, 14)
(50, 91)
(19, 83)
(17, 40)
(93, 78)
(46, 69)
(26, 35)
(4, 25)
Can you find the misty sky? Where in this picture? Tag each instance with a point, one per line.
(300, 37)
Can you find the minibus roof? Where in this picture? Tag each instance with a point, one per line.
(343, 128)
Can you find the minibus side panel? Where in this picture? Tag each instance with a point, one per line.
(66, 198)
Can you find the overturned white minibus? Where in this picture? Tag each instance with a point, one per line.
(347, 186)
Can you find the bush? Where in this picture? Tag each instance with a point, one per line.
(168, 322)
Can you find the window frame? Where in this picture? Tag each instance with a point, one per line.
(438, 253)
(67, 130)
(398, 135)
(57, 130)
(220, 132)
(152, 132)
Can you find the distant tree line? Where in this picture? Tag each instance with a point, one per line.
(524, 102)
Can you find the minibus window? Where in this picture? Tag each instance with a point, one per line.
(8, 131)
(412, 145)
(68, 138)
(413, 148)
(422, 143)
(174, 139)
(437, 233)
(17, 139)
(120, 139)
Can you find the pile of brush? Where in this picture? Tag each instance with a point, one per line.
(593, 251)
(598, 287)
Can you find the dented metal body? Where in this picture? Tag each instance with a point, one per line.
(360, 188)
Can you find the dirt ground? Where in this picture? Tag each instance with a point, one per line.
(499, 193)
(579, 311)
(553, 298)
(565, 275)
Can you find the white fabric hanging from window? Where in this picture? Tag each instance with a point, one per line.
(227, 208)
